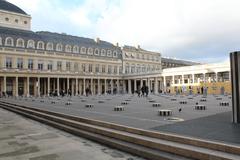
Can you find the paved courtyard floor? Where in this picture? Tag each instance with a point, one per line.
(213, 123)
(24, 139)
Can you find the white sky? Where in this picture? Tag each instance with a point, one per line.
(199, 30)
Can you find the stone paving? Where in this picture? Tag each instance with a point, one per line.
(24, 139)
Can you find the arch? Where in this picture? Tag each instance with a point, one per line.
(31, 44)
(75, 49)
(96, 51)
(83, 50)
(59, 47)
(49, 46)
(20, 43)
(9, 41)
(103, 52)
(90, 51)
(40, 45)
(68, 48)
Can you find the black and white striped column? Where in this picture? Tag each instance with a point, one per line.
(235, 79)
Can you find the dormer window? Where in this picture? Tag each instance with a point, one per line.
(68, 48)
(103, 52)
(40, 45)
(49, 46)
(109, 53)
(59, 47)
(96, 52)
(75, 49)
(9, 42)
(20, 43)
(114, 53)
(90, 51)
(31, 44)
(83, 50)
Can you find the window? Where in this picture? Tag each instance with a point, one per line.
(127, 68)
(115, 70)
(59, 65)
(7, 19)
(25, 22)
(76, 67)
(30, 64)
(49, 46)
(120, 69)
(109, 53)
(132, 69)
(20, 43)
(68, 48)
(90, 51)
(97, 68)
(40, 65)
(143, 68)
(59, 47)
(103, 68)
(50, 65)
(109, 69)
(40, 45)
(115, 54)
(84, 67)
(83, 50)
(96, 52)
(20, 63)
(103, 52)
(16, 20)
(31, 44)
(90, 68)
(8, 62)
(75, 49)
(9, 41)
(68, 66)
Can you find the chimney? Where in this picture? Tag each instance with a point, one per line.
(97, 40)
(117, 45)
(138, 47)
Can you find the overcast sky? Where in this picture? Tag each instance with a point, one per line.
(198, 30)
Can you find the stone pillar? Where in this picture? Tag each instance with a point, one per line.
(99, 87)
(48, 86)
(72, 87)
(141, 83)
(164, 83)
(5, 84)
(124, 86)
(58, 86)
(193, 78)
(182, 79)
(45, 86)
(16, 86)
(129, 86)
(112, 87)
(155, 85)
(76, 87)
(84, 86)
(27, 87)
(235, 77)
(92, 86)
(67, 85)
(105, 86)
(173, 79)
(118, 86)
(135, 85)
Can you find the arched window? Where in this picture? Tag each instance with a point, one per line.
(40, 45)
(114, 53)
(68, 48)
(20, 43)
(75, 49)
(50, 46)
(96, 52)
(109, 53)
(31, 44)
(59, 47)
(83, 50)
(103, 52)
(90, 51)
(9, 41)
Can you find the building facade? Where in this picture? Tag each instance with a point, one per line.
(46, 63)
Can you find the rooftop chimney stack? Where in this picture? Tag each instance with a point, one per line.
(97, 40)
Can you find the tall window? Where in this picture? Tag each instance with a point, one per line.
(109, 69)
(103, 68)
(8, 62)
(40, 65)
(120, 70)
(84, 67)
(59, 65)
(97, 68)
(75, 66)
(115, 70)
(30, 64)
(20, 63)
(90, 67)
(50, 65)
(68, 66)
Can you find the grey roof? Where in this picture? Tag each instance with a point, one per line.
(6, 6)
(177, 61)
(55, 38)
